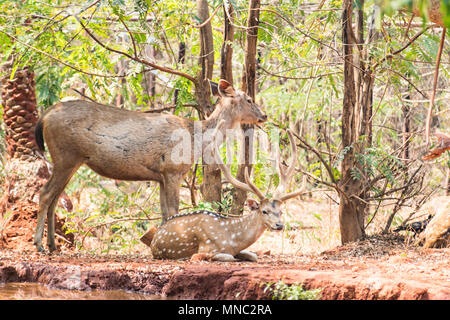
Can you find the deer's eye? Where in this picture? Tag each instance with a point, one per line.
(249, 100)
(264, 212)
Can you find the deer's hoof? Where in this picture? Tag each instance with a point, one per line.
(247, 255)
(52, 247)
(39, 248)
(200, 257)
(224, 257)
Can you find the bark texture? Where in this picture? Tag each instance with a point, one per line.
(25, 169)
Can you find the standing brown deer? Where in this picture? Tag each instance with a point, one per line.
(128, 145)
(219, 237)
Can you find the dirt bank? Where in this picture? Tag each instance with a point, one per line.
(373, 269)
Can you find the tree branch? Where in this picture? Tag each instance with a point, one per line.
(137, 59)
(61, 61)
(204, 23)
(298, 78)
(317, 153)
(389, 56)
(131, 36)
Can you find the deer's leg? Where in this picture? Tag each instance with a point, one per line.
(247, 255)
(163, 202)
(49, 196)
(210, 250)
(224, 257)
(51, 223)
(172, 191)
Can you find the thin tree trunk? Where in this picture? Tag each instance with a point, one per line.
(226, 66)
(406, 129)
(121, 67)
(149, 77)
(248, 86)
(181, 58)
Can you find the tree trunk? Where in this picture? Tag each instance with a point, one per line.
(226, 63)
(248, 86)
(350, 216)
(181, 58)
(212, 180)
(149, 77)
(249, 76)
(26, 170)
(406, 129)
(121, 68)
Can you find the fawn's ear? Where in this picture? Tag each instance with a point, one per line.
(253, 204)
(226, 89)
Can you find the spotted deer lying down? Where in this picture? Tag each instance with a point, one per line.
(219, 237)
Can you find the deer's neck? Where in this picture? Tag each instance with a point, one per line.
(221, 113)
(243, 232)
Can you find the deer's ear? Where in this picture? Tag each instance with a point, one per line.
(214, 86)
(253, 204)
(226, 89)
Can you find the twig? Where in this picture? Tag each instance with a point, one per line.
(401, 49)
(299, 78)
(433, 94)
(159, 110)
(204, 23)
(83, 95)
(300, 30)
(317, 153)
(409, 25)
(378, 206)
(409, 81)
(401, 200)
(114, 221)
(52, 5)
(131, 36)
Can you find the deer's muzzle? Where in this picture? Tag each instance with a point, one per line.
(262, 119)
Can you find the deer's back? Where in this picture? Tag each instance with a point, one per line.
(114, 142)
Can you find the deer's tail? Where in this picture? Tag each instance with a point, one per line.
(148, 237)
(39, 136)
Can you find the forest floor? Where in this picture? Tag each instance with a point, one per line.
(375, 268)
(308, 253)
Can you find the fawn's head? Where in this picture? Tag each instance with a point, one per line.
(237, 101)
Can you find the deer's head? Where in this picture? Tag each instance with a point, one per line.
(239, 102)
(269, 209)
